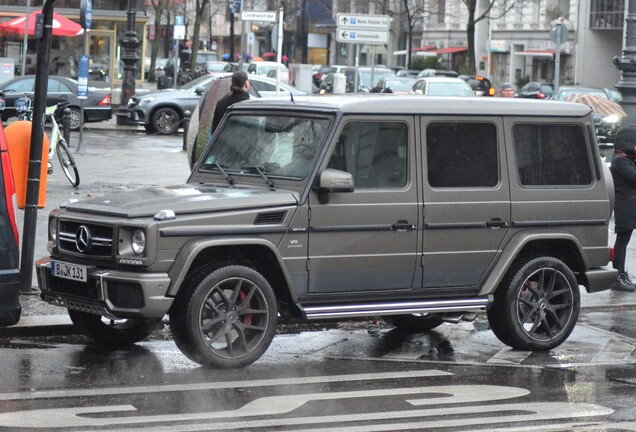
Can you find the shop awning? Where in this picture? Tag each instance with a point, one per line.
(417, 50)
(537, 53)
(449, 50)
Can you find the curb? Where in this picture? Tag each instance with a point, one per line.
(40, 325)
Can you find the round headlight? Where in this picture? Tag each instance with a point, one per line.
(53, 229)
(138, 241)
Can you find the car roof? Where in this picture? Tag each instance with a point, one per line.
(435, 105)
(442, 79)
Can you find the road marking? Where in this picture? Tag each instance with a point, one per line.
(483, 415)
(509, 356)
(47, 394)
(77, 417)
(614, 351)
(405, 352)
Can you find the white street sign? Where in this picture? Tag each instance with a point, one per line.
(345, 35)
(258, 16)
(179, 32)
(375, 22)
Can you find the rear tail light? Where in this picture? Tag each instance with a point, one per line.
(10, 196)
(105, 101)
(491, 91)
(540, 95)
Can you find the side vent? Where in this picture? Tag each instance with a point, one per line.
(270, 218)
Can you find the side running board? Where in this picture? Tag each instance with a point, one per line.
(474, 305)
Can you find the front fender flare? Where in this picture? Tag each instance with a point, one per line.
(191, 250)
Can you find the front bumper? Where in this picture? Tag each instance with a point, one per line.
(137, 116)
(110, 293)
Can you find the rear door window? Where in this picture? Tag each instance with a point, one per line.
(552, 155)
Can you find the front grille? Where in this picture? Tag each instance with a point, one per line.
(100, 243)
(125, 294)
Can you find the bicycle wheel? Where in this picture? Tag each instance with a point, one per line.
(67, 162)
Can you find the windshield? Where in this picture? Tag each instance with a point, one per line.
(279, 145)
(565, 93)
(196, 83)
(449, 89)
(399, 85)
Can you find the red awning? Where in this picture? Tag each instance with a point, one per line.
(424, 48)
(449, 50)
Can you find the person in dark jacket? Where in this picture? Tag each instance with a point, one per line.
(238, 93)
(623, 171)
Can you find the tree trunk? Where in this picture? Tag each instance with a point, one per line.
(161, 4)
(470, 36)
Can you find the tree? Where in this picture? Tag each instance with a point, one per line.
(471, 5)
(199, 8)
(159, 7)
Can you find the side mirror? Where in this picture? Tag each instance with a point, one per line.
(419, 92)
(333, 181)
(200, 90)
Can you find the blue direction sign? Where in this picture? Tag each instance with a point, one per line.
(82, 77)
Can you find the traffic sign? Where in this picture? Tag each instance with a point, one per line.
(371, 22)
(258, 16)
(377, 37)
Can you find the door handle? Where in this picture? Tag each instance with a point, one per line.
(403, 226)
(496, 223)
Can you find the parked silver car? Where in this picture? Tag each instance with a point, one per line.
(162, 111)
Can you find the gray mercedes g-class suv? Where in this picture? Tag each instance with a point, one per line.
(418, 210)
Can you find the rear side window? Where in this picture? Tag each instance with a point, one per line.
(552, 155)
(462, 155)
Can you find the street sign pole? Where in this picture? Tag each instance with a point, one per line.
(279, 48)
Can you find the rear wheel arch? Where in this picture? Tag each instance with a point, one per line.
(562, 246)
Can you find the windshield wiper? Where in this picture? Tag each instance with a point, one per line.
(226, 176)
(261, 172)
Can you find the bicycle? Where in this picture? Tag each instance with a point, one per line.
(57, 143)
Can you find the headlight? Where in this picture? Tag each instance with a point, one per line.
(53, 229)
(138, 241)
(146, 100)
(611, 119)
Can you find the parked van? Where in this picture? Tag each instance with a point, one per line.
(342, 207)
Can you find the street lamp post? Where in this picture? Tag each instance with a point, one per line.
(627, 65)
(129, 57)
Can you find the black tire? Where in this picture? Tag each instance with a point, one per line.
(68, 163)
(149, 129)
(224, 317)
(537, 304)
(76, 118)
(415, 323)
(112, 333)
(166, 121)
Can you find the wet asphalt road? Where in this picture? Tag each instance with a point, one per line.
(354, 376)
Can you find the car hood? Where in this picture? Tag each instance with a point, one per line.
(182, 199)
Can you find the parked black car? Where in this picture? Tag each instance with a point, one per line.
(9, 241)
(97, 106)
(536, 90)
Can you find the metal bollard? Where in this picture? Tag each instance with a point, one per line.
(66, 126)
(186, 123)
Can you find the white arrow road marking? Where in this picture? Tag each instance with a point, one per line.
(48, 394)
(267, 406)
(483, 415)
(509, 356)
(614, 350)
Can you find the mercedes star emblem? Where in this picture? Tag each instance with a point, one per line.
(82, 238)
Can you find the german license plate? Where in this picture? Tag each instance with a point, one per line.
(68, 271)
